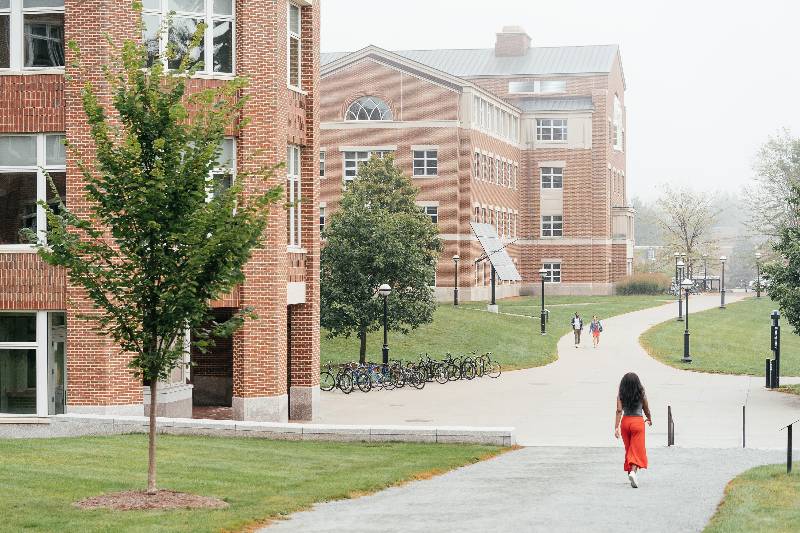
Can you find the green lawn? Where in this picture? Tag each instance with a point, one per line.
(764, 499)
(514, 340)
(260, 479)
(732, 341)
(790, 389)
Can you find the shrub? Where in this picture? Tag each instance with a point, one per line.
(652, 283)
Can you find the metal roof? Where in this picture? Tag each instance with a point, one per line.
(537, 62)
(570, 103)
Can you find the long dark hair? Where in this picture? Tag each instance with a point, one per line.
(631, 391)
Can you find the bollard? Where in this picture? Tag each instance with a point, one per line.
(743, 426)
(670, 427)
(766, 373)
(789, 450)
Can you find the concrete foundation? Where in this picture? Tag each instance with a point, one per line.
(173, 401)
(303, 402)
(262, 409)
(113, 410)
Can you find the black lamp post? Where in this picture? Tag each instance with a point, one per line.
(687, 285)
(758, 274)
(384, 290)
(542, 274)
(722, 260)
(456, 259)
(705, 272)
(679, 284)
(677, 275)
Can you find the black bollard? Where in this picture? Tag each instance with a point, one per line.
(767, 373)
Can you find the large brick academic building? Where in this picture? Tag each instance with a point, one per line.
(52, 361)
(531, 140)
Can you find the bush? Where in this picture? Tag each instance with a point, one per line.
(652, 283)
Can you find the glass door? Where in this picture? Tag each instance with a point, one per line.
(17, 363)
(56, 363)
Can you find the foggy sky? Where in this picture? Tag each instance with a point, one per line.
(707, 81)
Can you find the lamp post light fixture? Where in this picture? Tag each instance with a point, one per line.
(722, 260)
(758, 274)
(384, 290)
(705, 272)
(679, 284)
(456, 259)
(687, 285)
(542, 316)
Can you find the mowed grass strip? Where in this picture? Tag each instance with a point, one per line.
(515, 341)
(731, 341)
(260, 479)
(764, 499)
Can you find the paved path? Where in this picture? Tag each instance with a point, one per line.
(571, 401)
(549, 490)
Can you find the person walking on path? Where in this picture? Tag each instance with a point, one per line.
(631, 405)
(577, 327)
(595, 327)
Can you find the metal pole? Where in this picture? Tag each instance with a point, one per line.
(767, 373)
(758, 279)
(686, 357)
(722, 289)
(775, 340)
(743, 426)
(455, 290)
(493, 276)
(385, 333)
(541, 314)
(680, 296)
(789, 450)
(705, 274)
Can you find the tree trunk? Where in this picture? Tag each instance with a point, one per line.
(362, 350)
(151, 447)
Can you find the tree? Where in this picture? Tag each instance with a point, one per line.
(777, 174)
(686, 219)
(648, 230)
(163, 236)
(784, 273)
(378, 235)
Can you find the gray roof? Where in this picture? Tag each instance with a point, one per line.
(570, 103)
(538, 61)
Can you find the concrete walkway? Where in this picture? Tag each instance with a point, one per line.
(571, 401)
(549, 490)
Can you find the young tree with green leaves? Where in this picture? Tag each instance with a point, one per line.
(163, 236)
(784, 272)
(378, 235)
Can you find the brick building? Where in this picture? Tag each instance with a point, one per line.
(531, 140)
(52, 361)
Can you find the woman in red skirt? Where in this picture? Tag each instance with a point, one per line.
(631, 407)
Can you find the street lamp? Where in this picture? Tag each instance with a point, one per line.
(722, 260)
(384, 290)
(542, 274)
(686, 284)
(758, 274)
(705, 272)
(456, 259)
(681, 264)
(677, 275)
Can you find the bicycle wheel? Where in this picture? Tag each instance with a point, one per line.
(363, 382)
(468, 370)
(453, 372)
(494, 369)
(345, 383)
(326, 381)
(418, 379)
(441, 375)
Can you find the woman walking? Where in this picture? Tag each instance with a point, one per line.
(595, 327)
(631, 405)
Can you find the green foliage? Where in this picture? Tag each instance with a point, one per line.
(784, 273)
(646, 283)
(378, 235)
(152, 250)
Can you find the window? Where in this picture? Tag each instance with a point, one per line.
(222, 175)
(23, 183)
(321, 219)
(425, 162)
(216, 49)
(552, 177)
(553, 272)
(484, 167)
(477, 214)
(352, 160)
(18, 363)
(537, 86)
(551, 129)
(516, 169)
(552, 226)
(294, 59)
(433, 212)
(322, 163)
(31, 34)
(369, 108)
(477, 166)
(617, 123)
(293, 194)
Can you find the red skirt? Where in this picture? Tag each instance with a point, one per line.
(632, 429)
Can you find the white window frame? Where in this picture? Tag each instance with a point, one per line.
(552, 227)
(549, 130)
(322, 155)
(477, 165)
(292, 35)
(40, 345)
(221, 169)
(428, 170)
(617, 124)
(432, 211)
(537, 86)
(548, 175)
(359, 160)
(553, 269)
(208, 37)
(16, 41)
(293, 195)
(322, 218)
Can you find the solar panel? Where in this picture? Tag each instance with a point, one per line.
(493, 247)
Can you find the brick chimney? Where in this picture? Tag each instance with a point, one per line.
(513, 41)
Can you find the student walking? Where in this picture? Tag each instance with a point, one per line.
(577, 327)
(631, 405)
(595, 327)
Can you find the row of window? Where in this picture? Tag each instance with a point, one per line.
(504, 220)
(425, 162)
(537, 86)
(32, 35)
(617, 137)
(495, 120)
(487, 167)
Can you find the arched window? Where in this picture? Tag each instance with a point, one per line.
(368, 108)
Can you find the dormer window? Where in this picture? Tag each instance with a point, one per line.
(369, 108)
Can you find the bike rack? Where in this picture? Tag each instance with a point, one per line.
(670, 427)
(788, 429)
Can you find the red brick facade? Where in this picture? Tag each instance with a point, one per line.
(434, 103)
(275, 357)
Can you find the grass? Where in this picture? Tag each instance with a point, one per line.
(731, 341)
(790, 389)
(260, 479)
(764, 499)
(514, 340)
